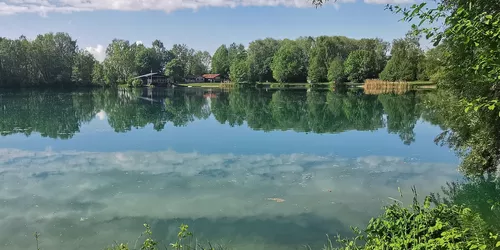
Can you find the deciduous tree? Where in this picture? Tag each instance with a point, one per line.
(289, 63)
(360, 65)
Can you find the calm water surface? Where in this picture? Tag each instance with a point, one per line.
(86, 168)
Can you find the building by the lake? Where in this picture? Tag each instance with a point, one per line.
(194, 79)
(156, 79)
(159, 79)
(212, 77)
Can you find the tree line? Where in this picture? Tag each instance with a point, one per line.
(325, 59)
(56, 60)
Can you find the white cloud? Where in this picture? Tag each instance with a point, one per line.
(46, 6)
(101, 115)
(99, 52)
(139, 42)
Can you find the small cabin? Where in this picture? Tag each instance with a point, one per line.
(194, 79)
(212, 78)
(154, 79)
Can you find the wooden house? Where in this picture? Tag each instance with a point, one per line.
(212, 78)
(194, 79)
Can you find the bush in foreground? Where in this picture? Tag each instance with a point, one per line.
(421, 226)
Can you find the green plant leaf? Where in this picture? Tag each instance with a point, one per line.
(498, 244)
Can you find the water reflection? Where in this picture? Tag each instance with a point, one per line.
(60, 115)
(481, 194)
(474, 136)
(83, 200)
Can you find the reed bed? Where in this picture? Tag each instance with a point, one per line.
(376, 87)
(226, 85)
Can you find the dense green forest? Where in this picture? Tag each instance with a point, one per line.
(55, 60)
(325, 59)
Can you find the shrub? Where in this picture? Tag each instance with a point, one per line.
(136, 83)
(423, 227)
(131, 82)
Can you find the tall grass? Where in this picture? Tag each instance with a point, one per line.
(377, 86)
(226, 85)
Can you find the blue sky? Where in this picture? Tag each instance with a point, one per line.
(201, 24)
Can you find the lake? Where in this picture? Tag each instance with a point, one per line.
(251, 169)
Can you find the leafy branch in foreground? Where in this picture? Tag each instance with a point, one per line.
(470, 33)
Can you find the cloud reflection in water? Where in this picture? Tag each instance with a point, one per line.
(86, 200)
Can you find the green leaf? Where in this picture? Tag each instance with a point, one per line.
(498, 244)
(468, 108)
(427, 203)
(491, 107)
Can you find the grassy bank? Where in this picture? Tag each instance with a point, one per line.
(202, 85)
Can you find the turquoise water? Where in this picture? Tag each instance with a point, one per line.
(250, 169)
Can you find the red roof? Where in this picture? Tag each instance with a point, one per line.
(210, 76)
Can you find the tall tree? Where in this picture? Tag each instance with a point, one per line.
(98, 75)
(83, 68)
(184, 55)
(336, 72)
(220, 61)
(380, 48)
(236, 52)
(240, 71)
(289, 63)
(52, 57)
(164, 55)
(199, 63)
(260, 58)
(325, 49)
(148, 60)
(406, 55)
(119, 64)
(360, 65)
(175, 69)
